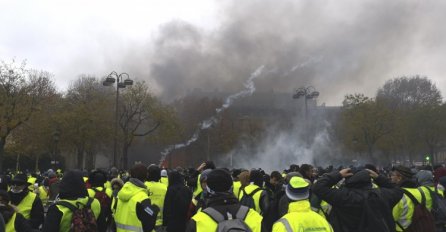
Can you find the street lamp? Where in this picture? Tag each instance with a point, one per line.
(121, 83)
(308, 93)
(56, 137)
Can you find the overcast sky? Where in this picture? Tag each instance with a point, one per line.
(339, 46)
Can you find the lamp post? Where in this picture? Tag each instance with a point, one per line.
(308, 93)
(56, 137)
(120, 84)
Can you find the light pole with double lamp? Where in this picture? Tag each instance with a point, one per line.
(121, 83)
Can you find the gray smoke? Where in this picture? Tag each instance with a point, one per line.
(249, 90)
(363, 43)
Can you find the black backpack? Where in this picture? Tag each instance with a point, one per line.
(376, 213)
(228, 223)
(248, 200)
(422, 219)
(438, 210)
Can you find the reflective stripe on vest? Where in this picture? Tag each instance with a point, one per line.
(26, 205)
(128, 228)
(10, 226)
(286, 224)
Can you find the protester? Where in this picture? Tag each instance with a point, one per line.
(357, 202)
(176, 203)
(222, 205)
(300, 217)
(97, 190)
(255, 192)
(134, 211)
(73, 194)
(28, 204)
(13, 220)
(157, 192)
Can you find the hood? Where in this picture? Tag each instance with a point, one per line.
(131, 188)
(425, 178)
(72, 186)
(360, 179)
(175, 178)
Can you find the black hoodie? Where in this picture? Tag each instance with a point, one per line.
(176, 204)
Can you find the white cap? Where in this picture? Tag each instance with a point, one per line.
(163, 173)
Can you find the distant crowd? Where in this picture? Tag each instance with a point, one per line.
(207, 198)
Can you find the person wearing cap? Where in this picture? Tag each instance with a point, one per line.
(73, 192)
(164, 179)
(134, 210)
(28, 204)
(13, 220)
(300, 217)
(222, 202)
(347, 201)
(404, 178)
(157, 191)
(260, 196)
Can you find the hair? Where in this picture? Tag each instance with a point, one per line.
(276, 175)
(244, 178)
(139, 171)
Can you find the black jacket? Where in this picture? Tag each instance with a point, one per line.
(20, 223)
(347, 202)
(176, 203)
(37, 214)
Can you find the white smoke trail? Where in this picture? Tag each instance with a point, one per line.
(249, 90)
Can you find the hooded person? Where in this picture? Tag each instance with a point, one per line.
(425, 179)
(134, 210)
(13, 220)
(254, 190)
(348, 202)
(28, 204)
(176, 203)
(157, 191)
(97, 180)
(223, 205)
(300, 217)
(72, 193)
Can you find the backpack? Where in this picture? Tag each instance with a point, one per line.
(422, 219)
(376, 214)
(102, 198)
(438, 210)
(248, 200)
(228, 223)
(83, 219)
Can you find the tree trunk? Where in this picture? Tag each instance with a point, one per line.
(80, 158)
(2, 146)
(90, 165)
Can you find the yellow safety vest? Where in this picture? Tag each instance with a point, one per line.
(300, 217)
(125, 216)
(43, 195)
(10, 226)
(403, 211)
(249, 189)
(236, 188)
(31, 181)
(67, 214)
(91, 191)
(198, 189)
(85, 179)
(26, 205)
(157, 193)
(324, 209)
(164, 180)
(205, 223)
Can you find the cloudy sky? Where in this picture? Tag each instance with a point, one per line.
(338, 46)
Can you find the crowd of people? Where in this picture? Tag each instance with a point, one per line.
(301, 198)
